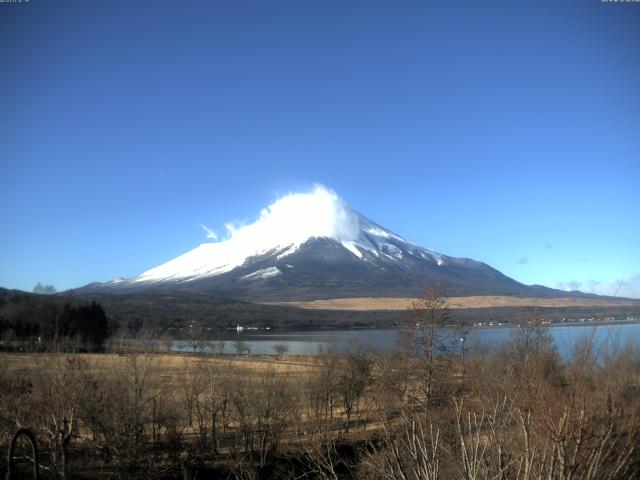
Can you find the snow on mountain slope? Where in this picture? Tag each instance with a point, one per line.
(280, 230)
(311, 246)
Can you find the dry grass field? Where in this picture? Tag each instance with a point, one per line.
(169, 366)
(395, 304)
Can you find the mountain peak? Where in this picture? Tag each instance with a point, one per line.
(300, 240)
(280, 229)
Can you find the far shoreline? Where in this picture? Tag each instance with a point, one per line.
(595, 323)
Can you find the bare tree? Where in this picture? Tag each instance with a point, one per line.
(209, 398)
(44, 289)
(425, 335)
(321, 453)
(218, 347)
(240, 347)
(120, 409)
(280, 349)
(410, 449)
(61, 387)
(321, 386)
(354, 377)
(196, 335)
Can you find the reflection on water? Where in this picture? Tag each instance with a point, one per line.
(309, 343)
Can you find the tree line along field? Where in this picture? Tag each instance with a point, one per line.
(91, 319)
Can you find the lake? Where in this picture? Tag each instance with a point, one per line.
(309, 342)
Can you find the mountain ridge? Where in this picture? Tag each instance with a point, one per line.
(314, 246)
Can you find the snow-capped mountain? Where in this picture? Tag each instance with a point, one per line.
(281, 230)
(313, 245)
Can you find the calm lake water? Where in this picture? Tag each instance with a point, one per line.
(309, 343)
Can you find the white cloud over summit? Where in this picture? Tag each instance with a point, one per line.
(284, 225)
(295, 217)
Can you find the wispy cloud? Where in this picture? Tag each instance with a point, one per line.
(570, 285)
(209, 232)
(627, 287)
(592, 284)
(621, 287)
(523, 260)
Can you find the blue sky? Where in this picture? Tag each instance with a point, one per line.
(508, 132)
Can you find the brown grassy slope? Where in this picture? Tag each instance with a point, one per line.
(394, 304)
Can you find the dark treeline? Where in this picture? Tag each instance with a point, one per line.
(174, 313)
(45, 319)
(174, 310)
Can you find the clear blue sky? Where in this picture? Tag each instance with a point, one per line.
(508, 132)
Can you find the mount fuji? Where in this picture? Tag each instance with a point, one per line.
(314, 246)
